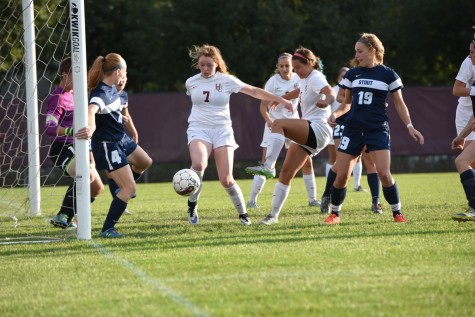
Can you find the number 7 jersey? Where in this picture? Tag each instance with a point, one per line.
(210, 98)
(369, 88)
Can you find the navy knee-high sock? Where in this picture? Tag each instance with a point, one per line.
(115, 212)
(136, 175)
(337, 198)
(330, 180)
(374, 186)
(467, 179)
(391, 194)
(113, 187)
(68, 206)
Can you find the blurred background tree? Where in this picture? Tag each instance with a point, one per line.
(425, 40)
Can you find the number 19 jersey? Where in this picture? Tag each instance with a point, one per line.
(369, 87)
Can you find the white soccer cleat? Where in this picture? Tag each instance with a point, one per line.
(269, 220)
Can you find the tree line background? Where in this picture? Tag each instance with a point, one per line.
(425, 40)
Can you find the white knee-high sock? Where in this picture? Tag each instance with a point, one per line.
(311, 186)
(256, 188)
(328, 168)
(196, 195)
(357, 169)
(276, 141)
(281, 192)
(237, 198)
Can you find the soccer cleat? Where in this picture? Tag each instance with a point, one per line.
(261, 170)
(325, 205)
(193, 215)
(332, 220)
(315, 203)
(359, 189)
(127, 212)
(269, 219)
(252, 204)
(399, 218)
(469, 215)
(245, 220)
(376, 208)
(71, 225)
(110, 233)
(61, 221)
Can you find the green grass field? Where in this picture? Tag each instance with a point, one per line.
(366, 266)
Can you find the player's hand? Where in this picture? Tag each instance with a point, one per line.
(273, 105)
(84, 133)
(416, 135)
(331, 120)
(458, 143)
(288, 105)
(125, 119)
(321, 102)
(269, 123)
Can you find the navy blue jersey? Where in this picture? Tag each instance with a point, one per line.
(369, 87)
(341, 119)
(109, 126)
(124, 98)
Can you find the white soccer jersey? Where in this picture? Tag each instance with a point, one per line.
(210, 98)
(279, 86)
(466, 75)
(309, 93)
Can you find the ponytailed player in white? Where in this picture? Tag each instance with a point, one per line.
(310, 134)
(462, 85)
(366, 88)
(464, 160)
(283, 81)
(210, 127)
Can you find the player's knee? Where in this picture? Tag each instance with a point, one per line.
(341, 180)
(148, 162)
(385, 177)
(285, 177)
(227, 181)
(96, 189)
(128, 189)
(461, 164)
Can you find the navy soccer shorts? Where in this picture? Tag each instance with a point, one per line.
(353, 142)
(109, 155)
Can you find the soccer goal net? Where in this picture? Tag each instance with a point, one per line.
(35, 39)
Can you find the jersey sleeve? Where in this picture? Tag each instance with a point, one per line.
(465, 72)
(96, 98)
(53, 115)
(395, 82)
(124, 99)
(319, 82)
(270, 85)
(187, 86)
(234, 84)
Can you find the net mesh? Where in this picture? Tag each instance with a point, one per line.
(52, 44)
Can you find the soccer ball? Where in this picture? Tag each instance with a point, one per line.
(186, 182)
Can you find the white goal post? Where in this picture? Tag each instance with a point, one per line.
(81, 147)
(36, 36)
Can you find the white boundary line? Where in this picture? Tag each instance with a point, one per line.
(175, 296)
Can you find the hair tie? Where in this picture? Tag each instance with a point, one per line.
(300, 56)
